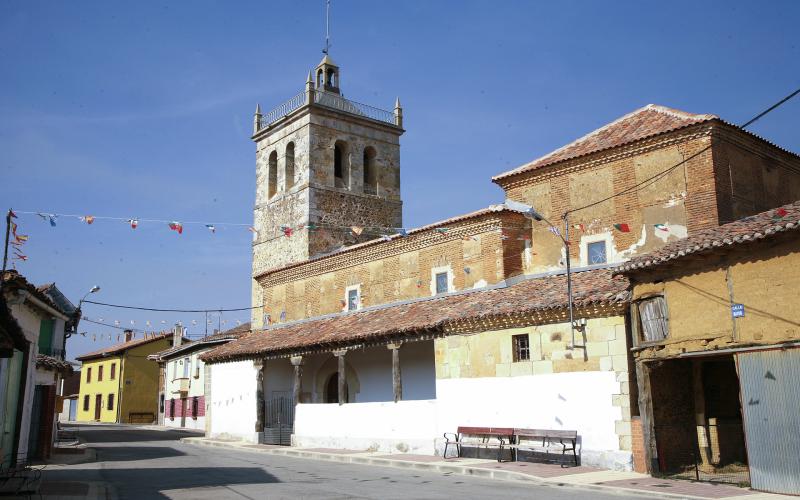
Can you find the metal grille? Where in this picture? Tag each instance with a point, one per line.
(279, 424)
(721, 458)
(283, 110)
(338, 102)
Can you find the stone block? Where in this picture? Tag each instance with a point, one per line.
(618, 347)
(622, 428)
(620, 363)
(502, 369)
(596, 349)
(521, 368)
(622, 377)
(606, 364)
(625, 443)
(624, 388)
(542, 367)
(600, 333)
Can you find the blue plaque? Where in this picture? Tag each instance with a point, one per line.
(737, 310)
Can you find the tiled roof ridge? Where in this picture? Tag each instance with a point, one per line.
(763, 225)
(496, 208)
(677, 113)
(13, 276)
(123, 346)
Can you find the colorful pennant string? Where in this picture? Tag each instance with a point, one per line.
(212, 228)
(661, 227)
(176, 226)
(622, 227)
(133, 223)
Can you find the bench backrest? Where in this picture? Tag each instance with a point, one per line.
(486, 431)
(546, 433)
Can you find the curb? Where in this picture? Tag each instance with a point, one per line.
(464, 470)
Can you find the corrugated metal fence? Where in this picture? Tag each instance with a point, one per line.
(770, 382)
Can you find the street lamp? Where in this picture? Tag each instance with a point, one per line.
(78, 312)
(531, 212)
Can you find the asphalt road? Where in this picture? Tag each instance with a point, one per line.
(153, 464)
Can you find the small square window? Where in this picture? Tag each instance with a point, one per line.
(441, 283)
(522, 347)
(352, 300)
(597, 252)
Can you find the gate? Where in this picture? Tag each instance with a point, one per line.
(279, 420)
(770, 402)
(34, 435)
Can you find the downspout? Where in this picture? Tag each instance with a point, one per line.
(119, 384)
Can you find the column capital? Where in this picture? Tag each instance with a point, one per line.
(297, 360)
(339, 352)
(394, 345)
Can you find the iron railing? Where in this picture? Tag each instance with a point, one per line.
(52, 351)
(328, 100)
(338, 102)
(283, 110)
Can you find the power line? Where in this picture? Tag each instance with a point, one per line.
(670, 169)
(119, 306)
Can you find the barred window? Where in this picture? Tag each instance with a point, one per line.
(653, 320)
(86, 403)
(195, 407)
(110, 402)
(522, 347)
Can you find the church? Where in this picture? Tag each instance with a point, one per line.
(370, 336)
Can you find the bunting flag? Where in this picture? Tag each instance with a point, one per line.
(21, 238)
(19, 256)
(357, 230)
(283, 316)
(252, 230)
(133, 322)
(116, 322)
(87, 219)
(623, 228)
(441, 230)
(386, 237)
(267, 319)
(780, 213)
(194, 322)
(133, 223)
(579, 226)
(51, 218)
(287, 231)
(311, 226)
(211, 228)
(554, 230)
(176, 226)
(467, 270)
(661, 227)
(402, 232)
(163, 322)
(238, 322)
(12, 214)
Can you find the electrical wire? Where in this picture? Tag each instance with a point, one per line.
(119, 306)
(661, 174)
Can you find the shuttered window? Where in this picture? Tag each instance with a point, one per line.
(653, 319)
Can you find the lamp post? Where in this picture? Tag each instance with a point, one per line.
(531, 212)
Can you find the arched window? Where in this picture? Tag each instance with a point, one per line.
(370, 171)
(319, 78)
(272, 175)
(341, 167)
(289, 168)
(332, 389)
(329, 79)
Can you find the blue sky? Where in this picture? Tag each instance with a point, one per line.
(144, 109)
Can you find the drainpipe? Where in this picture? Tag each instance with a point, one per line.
(119, 384)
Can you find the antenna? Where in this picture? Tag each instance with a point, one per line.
(327, 27)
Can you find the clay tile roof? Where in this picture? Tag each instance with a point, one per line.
(750, 229)
(49, 362)
(454, 312)
(491, 209)
(644, 122)
(120, 348)
(231, 334)
(16, 280)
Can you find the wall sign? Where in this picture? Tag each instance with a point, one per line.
(737, 310)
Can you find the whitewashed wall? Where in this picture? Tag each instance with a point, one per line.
(402, 427)
(233, 405)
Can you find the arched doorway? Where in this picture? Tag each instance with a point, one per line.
(332, 389)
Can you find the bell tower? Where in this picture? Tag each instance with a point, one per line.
(324, 164)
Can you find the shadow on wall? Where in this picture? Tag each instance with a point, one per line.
(141, 484)
(134, 453)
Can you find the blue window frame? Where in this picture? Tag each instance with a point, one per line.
(597, 252)
(441, 283)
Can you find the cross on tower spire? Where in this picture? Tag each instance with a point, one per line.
(327, 27)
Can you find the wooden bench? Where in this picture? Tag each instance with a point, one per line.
(482, 437)
(545, 439)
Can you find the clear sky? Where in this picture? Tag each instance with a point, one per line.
(144, 109)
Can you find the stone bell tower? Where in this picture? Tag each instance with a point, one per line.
(323, 164)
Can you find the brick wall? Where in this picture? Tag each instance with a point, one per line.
(637, 446)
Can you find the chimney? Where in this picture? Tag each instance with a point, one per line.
(128, 335)
(177, 335)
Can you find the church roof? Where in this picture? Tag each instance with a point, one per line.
(516, 304)
(645, 122)
(327, 60)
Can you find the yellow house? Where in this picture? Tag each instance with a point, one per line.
(119, 384)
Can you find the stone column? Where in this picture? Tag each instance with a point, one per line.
(260, 416)
(297, 363)
(397, 382)
(342, 376)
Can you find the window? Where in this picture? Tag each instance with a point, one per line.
(596, 253)
(86, 403)
(110, 405)
(522, 347)
(352, 299)
(289, 166)
(441, 283)
(171, 409)
(340, 165)
(89, 375)
(272, 175)
(186, 365)
(46, 329)
(100, 373)
(194, 407)
(161, 403)
(113, 371)
(370, 175)
(651, 319)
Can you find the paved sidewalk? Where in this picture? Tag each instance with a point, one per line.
(578, 477)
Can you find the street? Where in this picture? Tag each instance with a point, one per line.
(144, 463)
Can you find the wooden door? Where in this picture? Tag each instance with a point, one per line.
(98, 405)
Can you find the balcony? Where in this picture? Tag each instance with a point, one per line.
(51, 351)
(179, 385)
(328, 100)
